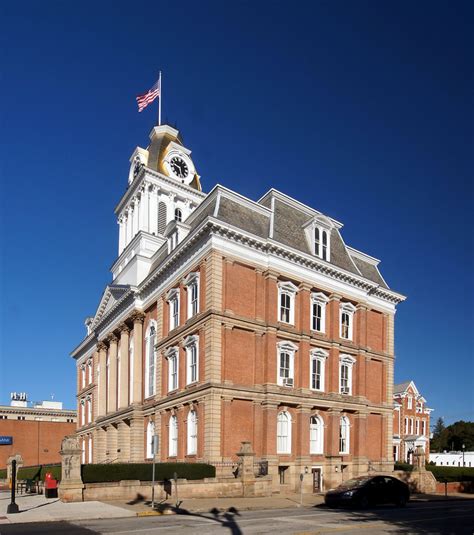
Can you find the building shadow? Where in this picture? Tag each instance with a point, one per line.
(46, 528)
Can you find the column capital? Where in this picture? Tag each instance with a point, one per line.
(270, 274)
(101, 346)
(335, 297)
(362, 306)
(112, 338)
(137, 316)
(304, 286)
(124, 328)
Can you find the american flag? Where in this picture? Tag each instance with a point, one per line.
(149, 96)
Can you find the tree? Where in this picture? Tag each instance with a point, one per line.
(453, 437)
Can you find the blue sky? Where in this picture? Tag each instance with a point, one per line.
(362, 110)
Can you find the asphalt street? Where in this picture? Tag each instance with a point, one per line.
(456, 517)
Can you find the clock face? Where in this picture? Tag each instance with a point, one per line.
(179, 167)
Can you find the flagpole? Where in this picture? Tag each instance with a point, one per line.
(159, 102)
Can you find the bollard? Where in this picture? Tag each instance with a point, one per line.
(175, 477)
(13, 507)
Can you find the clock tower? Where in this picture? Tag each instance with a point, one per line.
(163, 187)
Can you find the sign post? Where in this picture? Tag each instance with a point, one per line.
(175, 477)
(13, 507)
(154, 450)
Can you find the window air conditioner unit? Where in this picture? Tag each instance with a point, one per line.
(288, 382)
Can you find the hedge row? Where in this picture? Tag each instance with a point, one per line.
(101, 473)
(451, 473)
(39, 471)
(406, 467)
(3, 473)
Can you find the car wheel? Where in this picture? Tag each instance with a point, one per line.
(364, 502)
(402, 501)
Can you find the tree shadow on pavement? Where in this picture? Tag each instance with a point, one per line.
(225, 518)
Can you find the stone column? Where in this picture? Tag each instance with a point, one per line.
(138, 318)
(71, 486)
(137, 439)
(124, 359)
(212, 427)
(112, 447)
(99, 439)
(123, 442)
(360, 441)
(101, 406)
(112, 390)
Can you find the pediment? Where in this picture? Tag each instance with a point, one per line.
(112, 294)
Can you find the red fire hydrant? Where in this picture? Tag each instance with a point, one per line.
(50, 486)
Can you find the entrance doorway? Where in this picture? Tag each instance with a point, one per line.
(316, 479)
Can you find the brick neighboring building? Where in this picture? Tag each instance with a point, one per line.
(36, 429)
(229, 320)
(411, 422)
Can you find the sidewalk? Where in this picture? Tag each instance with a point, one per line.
(36, 508)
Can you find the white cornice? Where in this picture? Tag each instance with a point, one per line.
(157, 179)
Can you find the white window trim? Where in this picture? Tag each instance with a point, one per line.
(148, 361)
(346, 360)
(347, 426)
(321, 355)
(131, 366)
(409, 402)
(83, 411)
(90, 449)
(320, 299)
(192, 439)
(173, 352)
(291, 349)
(173, 436)
(83, 375)
(191, 280)
(190, 342)
(406, 425)
(150, 431)
(170, 297)
(89, 370)
(349, 309)
(287, 288)
(328, 245)
(287, 450)
(318, 449)
(89, 409)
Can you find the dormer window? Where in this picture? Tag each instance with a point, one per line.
(321, 243)
(318, 312)
(286, 302)
(178, 215)
(346, 320)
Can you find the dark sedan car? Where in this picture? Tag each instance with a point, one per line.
(366, 491)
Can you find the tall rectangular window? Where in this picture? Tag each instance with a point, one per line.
(286, 302)
(173, 301)
(346, 320)
(346, 362)
(317, 366)
(285, 308)
(192, 287)
(192, 355)
(285, 363)
(173, 437)
(172, 357)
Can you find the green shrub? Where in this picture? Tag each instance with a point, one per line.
(53, 469)
(3, 473)
(406, 467)
(100, 473)
(28, 472)
(451, 473)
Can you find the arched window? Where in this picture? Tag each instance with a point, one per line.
(150, 431)
(130, 368)
(316, 435)
(178, 215)
(150, 360)
(192, 433)
(321, 243)
(284, 432)
(173, 437)
(90, 448)
(344, 435)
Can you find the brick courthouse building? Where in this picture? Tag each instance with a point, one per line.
(231, 320)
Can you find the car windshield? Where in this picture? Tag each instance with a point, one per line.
(356, 482)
